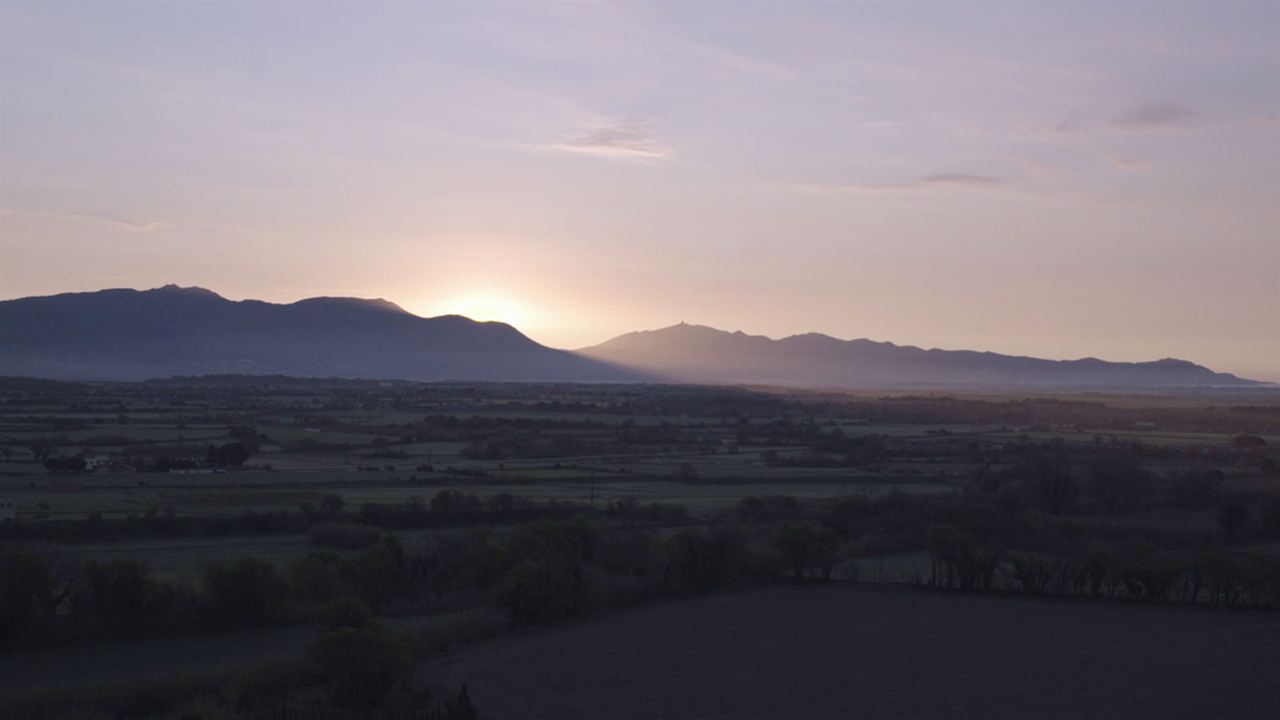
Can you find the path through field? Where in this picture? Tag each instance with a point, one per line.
(858, 652)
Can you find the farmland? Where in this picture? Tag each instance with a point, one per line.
(837, 652)
(374, 442)
(190, 512)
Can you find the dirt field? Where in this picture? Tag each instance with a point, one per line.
(850, 652)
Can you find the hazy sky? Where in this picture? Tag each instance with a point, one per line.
(1054, 180)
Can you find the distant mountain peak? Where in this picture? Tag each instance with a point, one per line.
(351, 302)
(193, 291)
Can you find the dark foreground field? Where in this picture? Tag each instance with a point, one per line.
(851, 652)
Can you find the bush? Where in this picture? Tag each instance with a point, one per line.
(247, 592)
(458, 563)
(361, 664)
(317, 577)
(116, 597)
(348, 613)
(699, 561)
(448, 630)
(378, 575)
(805, 546)
(344, 535)
(28, 599)
(542, 589)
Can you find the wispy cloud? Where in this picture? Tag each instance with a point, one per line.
(925, 182)
(102, 217)
(1153, 115)
(1125, 162)
(1062, 127)
(962, 179)
(617, 139)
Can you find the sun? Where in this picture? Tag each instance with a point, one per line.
(486, 308)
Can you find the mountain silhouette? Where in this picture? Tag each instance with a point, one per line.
(136, 335)
(168, 331)
(695, 353)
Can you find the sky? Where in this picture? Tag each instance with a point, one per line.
(1058, 180)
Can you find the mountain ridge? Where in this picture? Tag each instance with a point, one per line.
(127, 334)
(699, 353)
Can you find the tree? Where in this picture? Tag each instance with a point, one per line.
(1050, 469)
(697, 561)
(826, 551)
(1116, 480)
(348, 613)
(67, 464)
(1231, 518)
(29, 598)
(117, 594)
(379, 572)
(797, 543)
(461, 708)
(229, 455)
(541, 589)
(1271, 515)
(331, 505)
(317, 577)
(1030, 572)
(1101, 573)
(247, 592)
(455, 506)
(361, 664)
(1248, 442)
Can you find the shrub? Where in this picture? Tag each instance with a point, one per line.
(698, 561)
(378, 574)
(348, 613)
(344, 535)
(115, 597)
(28, 599)
(805, 546)
(317, 577)
(247, 592)
(542, 589)
(361, 664)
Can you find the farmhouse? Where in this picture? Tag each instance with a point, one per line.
(93, 462)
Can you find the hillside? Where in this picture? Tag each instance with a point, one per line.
(136, 335)
(695, 353)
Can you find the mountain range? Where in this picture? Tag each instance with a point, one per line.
(136, 335)
(695, 353)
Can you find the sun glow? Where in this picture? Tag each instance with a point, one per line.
(485, 308)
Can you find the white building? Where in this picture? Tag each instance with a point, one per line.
(93, 462)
